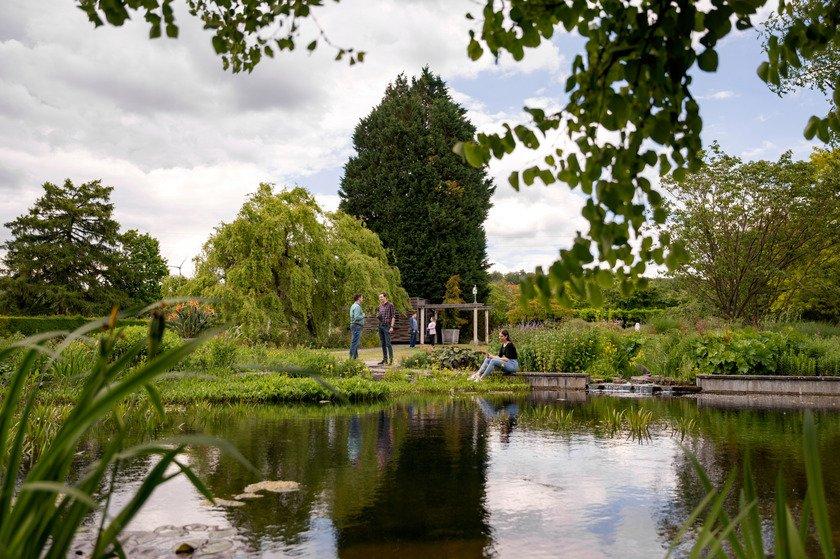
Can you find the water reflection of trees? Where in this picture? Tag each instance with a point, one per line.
(430, 498)
(410, 480)
(773, 442)
(400, 478)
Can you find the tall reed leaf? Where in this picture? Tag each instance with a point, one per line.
(43, 508)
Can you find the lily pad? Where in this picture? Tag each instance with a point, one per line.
(225, 503)
(273, 486)
(247, 496)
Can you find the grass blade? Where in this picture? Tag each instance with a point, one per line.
(816, 489)
(59, 489)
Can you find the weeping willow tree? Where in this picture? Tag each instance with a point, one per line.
(285, 271)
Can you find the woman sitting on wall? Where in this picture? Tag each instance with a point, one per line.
(506, 361)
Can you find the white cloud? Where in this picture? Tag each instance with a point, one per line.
(761, 150)
(182, 141)
(719, 95)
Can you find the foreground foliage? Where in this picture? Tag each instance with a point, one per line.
(742, 536)
(43, 508)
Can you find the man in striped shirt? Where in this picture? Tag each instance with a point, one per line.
(386, 315)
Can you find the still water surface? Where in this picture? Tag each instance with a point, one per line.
(478, 477)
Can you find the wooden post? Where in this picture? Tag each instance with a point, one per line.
(486, 326)
(422, 325)
(475, 325)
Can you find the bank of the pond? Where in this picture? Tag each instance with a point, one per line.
(271, 387)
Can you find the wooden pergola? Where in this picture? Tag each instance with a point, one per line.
(474, 307)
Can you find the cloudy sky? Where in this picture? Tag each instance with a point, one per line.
(183, 142)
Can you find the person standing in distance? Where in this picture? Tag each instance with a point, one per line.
(431, 329)
(386, 315)
(357, 322)
(413, 331)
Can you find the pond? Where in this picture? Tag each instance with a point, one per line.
(543, 475)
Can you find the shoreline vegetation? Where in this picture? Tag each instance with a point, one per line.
(226, 370)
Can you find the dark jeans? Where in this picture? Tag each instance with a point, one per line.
(431, 338)
(385, 339)
(412, 339)
(355, 340)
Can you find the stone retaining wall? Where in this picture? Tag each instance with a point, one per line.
(556, 381)
(761, 384)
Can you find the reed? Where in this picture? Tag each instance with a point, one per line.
(44, 503)
(741, 536)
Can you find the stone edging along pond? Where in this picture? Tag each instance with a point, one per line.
(768, 384)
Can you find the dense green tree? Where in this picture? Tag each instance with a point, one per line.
(634, 78)
(66, 256)
(749, 226)
(140, 267)
(812, 287)
(62, 253)
(423, 201)
(284, 271)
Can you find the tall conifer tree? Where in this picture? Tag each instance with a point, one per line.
(67, 256)
(425, 203)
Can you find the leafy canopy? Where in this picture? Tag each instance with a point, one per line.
(749, 227)
(67, 256)
(816, 68)
(629, 109)
(426, 204)
(285, 271)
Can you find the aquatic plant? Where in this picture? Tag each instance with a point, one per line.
(741, 536)
(639, 421)
(548, 417)
(43, 508)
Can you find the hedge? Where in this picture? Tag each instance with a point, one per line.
(30, 325)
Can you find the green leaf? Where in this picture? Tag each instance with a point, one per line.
(708, 60)
(474, 50)
(811, 128)
(816, 489)
(219, 44)
(764, 71)
(472, 154)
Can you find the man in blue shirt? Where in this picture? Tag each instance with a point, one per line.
(357, 322)
(412, 330)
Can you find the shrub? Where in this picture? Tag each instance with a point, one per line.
(78, 357)
(8, 365)
(741, 352)
(130, 336)
(567, 349)
(309, 361)
(664, 324)
(667, 356)
(417, 360)
(453, 357)
(31, 325)
(219, 352)
(190, 319)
